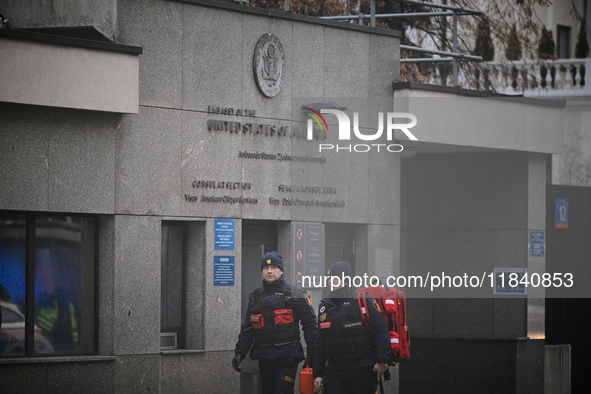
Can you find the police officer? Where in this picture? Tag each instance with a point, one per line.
(56, 316)
(272, 320)
(356, 352)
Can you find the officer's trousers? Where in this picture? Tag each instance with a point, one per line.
(278, 375)
(350, 381)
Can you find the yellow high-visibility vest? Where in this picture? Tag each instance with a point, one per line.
(74, 324)
(48, 316)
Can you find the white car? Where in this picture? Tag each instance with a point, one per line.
(12, 333)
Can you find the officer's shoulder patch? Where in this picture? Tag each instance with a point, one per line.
(289, 379)
(375, 304)
(308, 300)
(322, 317)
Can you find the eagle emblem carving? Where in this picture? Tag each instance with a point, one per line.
(269, 64)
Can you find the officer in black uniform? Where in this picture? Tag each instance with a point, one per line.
(356, 353)
(272, 321)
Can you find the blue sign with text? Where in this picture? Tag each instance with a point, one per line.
(224, 234)
(223, 270)
(536, 244)
(561, 212)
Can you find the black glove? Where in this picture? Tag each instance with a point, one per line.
(236, 362)
(307, 362)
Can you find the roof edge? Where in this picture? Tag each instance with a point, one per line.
(476, 93)
(70, 41)
(293, 17)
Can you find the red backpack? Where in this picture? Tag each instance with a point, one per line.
(392, 303)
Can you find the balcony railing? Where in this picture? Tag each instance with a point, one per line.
(553, 78)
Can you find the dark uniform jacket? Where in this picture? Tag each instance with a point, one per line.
(302, 312)
(337, 305)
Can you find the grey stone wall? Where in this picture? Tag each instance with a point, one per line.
(136, 285)
(462, 213)
(144, 164)
(50, 376)
(57, 159)
(61, 13)
(190, 63)
(199, 372)
(467, 213)
(468, 366)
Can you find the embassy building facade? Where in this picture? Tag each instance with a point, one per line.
(153, 151)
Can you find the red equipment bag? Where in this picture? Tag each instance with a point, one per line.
(392, 303)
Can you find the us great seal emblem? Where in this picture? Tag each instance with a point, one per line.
(268, 64)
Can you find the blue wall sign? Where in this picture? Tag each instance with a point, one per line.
(536, 244)
(224, 234)
(560, 212)
(510, 281)
(223, 270)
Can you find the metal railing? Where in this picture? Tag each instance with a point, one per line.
(537, 78)
(454, 56)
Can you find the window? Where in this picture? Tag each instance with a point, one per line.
(47, 284)
(563, 42)
(172, 309)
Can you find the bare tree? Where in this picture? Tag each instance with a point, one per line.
(509, 22)
(575, 165)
